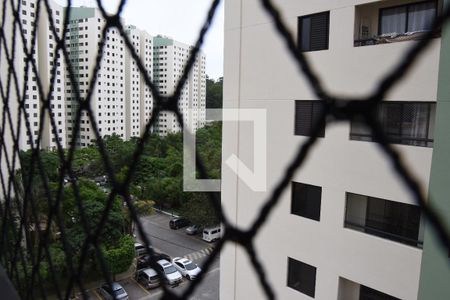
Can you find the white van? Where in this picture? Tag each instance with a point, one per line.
(212, 233)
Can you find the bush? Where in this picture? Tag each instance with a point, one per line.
(144, 207)
(119, 259)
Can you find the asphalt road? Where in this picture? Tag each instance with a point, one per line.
(174, 243)
(178, 243)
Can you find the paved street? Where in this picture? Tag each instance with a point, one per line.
(174, 243)
(178, 243)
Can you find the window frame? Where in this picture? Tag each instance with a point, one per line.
(385, 233)
(407, 5)
(314, 118)
(367, 291)
(401, 139)
(300, 29)
(314, 215)
(308, 268)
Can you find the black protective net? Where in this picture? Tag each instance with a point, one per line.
(23, 256)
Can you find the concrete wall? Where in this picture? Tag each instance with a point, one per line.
(435, 271)
(259, 73)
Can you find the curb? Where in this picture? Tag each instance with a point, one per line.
(166, 212)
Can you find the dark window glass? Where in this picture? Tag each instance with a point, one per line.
(393, 219)
(313, 31)
(307, 115)
(367, 293)
(301, 277)
(306, 200)
(407, 18)
(407, 123)
(387, 219)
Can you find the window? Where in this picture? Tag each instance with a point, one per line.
(387, 219)
(306, 200)
(407, 123)
(307, 115)
(407, 18)
(366, 293)
(313, 31)
(355, 291)
(301, 277)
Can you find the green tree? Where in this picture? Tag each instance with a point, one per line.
(119, 258)
(214, 91)
(93, 203)
(209, 148)
(199, 209)
(119, 152)
(87, 162)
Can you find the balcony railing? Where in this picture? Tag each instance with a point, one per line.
(384, 234)
(392, 38)
(403, 140)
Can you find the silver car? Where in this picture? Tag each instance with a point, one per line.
(171, 275)
(193, 229)
(148, 278)
(117, 292)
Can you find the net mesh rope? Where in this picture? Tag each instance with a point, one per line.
(14, 223)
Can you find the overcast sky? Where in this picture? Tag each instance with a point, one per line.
(179, 19)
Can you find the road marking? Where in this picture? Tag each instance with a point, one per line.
(199, 254)
(144, 289)
(96, 294)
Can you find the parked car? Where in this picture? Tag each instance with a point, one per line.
(177, 223)
(186, 267)
(101, 180)
(160, 255)
(140, 249)
(193, 229)
(117, 292)
(144, 260)
(212, 234)
(148, 278)
(171, 275)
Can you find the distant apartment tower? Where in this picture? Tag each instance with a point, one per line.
(138, 98)
(146, 107)
(169, 60)
(120, 101)
(108, 95)
(346, 227)
(48, 59)
(43, 60)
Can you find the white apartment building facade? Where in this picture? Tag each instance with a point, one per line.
(108, 95)
(121, 101)
(47, 45)
(346, 227)
(139, 99)
(43, 58)
(132, 86)
(169, 59)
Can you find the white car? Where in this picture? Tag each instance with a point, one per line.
(186, 267)
(171, 275)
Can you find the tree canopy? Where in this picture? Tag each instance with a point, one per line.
(214, 92)
(157, 180)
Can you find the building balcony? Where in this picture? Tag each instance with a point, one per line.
(350, 290)
(390, 220)
(385, 22)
